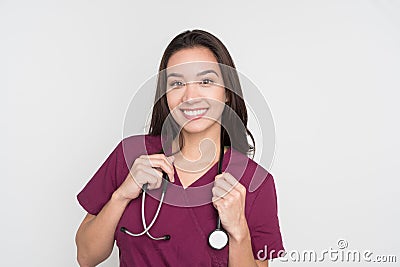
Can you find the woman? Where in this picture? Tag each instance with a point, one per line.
(196, 101)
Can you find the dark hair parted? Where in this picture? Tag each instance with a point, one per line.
(238, 131)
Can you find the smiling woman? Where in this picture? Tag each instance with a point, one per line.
(190, 99)
(200, 101)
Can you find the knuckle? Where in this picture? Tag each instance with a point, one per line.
(156, 171)
(153, 179)
(243, 189)
(164, 167)
(214, 190)
(139, 165)
(139, 172)
(230, 201)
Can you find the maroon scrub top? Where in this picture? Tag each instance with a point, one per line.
(187, 215)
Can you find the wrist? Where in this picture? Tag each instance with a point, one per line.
(118, 197)
(241, 233)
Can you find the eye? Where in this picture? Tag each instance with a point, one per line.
(176, 84)
(207, 82)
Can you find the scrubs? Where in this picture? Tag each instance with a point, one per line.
(187, 215)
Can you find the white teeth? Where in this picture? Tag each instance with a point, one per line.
(194, 112)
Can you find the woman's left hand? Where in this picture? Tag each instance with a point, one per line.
(229, 199)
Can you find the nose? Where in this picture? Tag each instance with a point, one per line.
(191, 91)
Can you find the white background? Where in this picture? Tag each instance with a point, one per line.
(329, 70)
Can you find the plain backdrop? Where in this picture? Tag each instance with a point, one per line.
(328, 69)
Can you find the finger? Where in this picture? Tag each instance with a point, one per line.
(219, 192)
(171, 160)
(151, 176)
(156, 158)
(156, 174)
(146, 176)
(226, 181)
(229, 178)
(161, 162)
(168, 161)
(155, 185)
(222, 183)
(217, 202)
(234, 182)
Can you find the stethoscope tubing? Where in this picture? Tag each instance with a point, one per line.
(148, 227)
(219, 230)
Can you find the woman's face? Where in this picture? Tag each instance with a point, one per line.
(195, 91)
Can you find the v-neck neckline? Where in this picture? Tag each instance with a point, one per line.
(202, 179)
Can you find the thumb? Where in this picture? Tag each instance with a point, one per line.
(171, 159)
(218, 176)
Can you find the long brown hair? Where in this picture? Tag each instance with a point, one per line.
(238, 131)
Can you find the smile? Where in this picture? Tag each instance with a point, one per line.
(193, 113)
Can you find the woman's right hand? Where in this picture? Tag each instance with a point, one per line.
(145, 169)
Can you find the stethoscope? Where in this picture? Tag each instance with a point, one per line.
(217, 239)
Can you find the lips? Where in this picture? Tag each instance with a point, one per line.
(191, 114)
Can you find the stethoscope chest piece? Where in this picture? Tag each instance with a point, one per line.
(218, 239)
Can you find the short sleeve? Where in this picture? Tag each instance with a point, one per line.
(99, 189)
(264, 227)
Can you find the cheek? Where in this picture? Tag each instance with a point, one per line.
(223, 96)
(219, 96)
(172, 101)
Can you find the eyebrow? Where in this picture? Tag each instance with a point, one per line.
(207, 71)
(174, 74)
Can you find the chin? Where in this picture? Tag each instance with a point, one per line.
(195, 127)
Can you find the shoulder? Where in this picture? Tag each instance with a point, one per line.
(129, 149)
(251, 174)
(133, 146)
(143, 142)
(261, 197)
